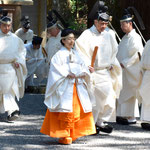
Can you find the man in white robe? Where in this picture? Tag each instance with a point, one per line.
(12, 69)
(53, 44)
(129, 51)
(25, 33)
(36, 62)
(106, 72)
(145, 86)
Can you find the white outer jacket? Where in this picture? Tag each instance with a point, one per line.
(128, 50)
(107, 84)
(12, 50)
(59, 91)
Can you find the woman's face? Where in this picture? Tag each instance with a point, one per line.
(69, 41)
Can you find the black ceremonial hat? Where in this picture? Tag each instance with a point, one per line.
(126, 16)
(51, 21)
(25, 22)
(99, 12)
(37, 40)
(4, 17)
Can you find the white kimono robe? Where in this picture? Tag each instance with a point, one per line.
(59, 91)
(111, 32)
(106, 83)
(145, 85)
(128, 55)
(36, 64)
(28, 36)
(11, 79)
(52, 46)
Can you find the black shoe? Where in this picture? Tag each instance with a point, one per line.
(13, 116)
(105, 128)
(124, 121)
(97, 129)
(145, 126)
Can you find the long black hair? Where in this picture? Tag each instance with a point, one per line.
(65, 33)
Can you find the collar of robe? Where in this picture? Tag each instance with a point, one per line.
(95, 31)
(71, 53)
(130, 33)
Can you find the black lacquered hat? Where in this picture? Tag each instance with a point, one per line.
(127, 17)
(5, 19)
(99, 12)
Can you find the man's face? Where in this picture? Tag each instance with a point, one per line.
(53, 31)
(5, 28)
(25, 30)
(100, 25)
(125, 26)
(36, 46)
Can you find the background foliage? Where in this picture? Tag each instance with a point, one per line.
(74, 12)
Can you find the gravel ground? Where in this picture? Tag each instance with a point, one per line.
(24, 134)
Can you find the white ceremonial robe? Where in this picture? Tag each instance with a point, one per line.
(128, 50)
(111, 32)
(145, 84)
(106, 83)
(28, 36)
(59, 90)
(36, 64)
(52, 46)
(11, 79)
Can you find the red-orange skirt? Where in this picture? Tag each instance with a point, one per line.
(74, 124)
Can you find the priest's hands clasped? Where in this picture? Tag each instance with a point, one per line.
(71, 75)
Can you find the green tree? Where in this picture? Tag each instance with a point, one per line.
(74, 12)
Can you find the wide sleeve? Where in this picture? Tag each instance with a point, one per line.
(116, 72)
(145, 60)
(22, 70)
(58, 72)
(132, 63)
(136, 47)
(82, 45)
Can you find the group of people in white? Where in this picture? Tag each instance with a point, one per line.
(92, 80)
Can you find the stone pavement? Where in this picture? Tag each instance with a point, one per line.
(24, 134)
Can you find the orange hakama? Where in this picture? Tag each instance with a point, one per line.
(73, 124)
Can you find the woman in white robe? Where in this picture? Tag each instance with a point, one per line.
(145, 87)
(12, 69)
(67, 97)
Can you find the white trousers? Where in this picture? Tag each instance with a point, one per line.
(8, 103)
(129, 108)
(145, 112)
(107, 114)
